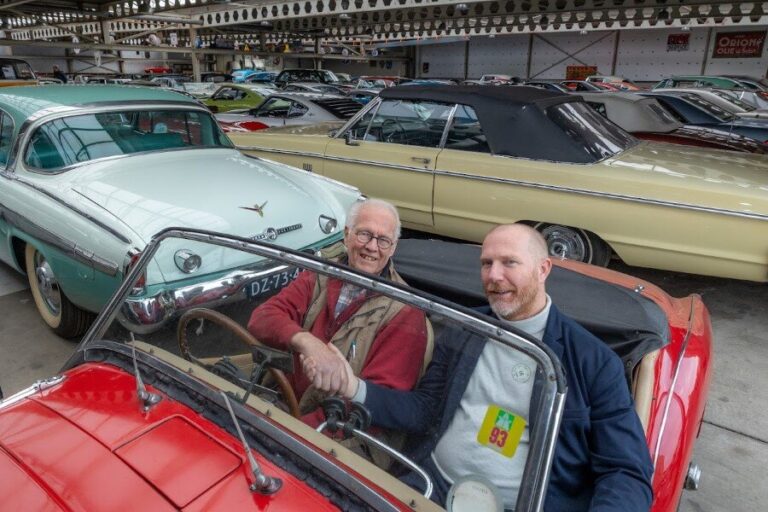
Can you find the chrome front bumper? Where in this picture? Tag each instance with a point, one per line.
(145, 315)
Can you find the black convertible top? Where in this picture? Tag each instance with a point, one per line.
(632, 325)
(513, 118)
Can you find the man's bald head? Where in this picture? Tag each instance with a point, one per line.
(534, 241)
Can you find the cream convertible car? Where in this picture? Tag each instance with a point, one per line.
(458, 160)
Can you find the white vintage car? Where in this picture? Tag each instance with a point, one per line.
(88, 174)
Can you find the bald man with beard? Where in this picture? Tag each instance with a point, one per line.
(601, 461)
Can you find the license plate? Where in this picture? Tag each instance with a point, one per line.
(272, 283)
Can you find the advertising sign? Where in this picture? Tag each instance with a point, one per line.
(678, 42)
(742, 45)
(579, 72)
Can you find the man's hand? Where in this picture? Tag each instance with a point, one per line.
(328, 372)
(310, 370)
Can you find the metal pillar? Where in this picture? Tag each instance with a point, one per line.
(194, 55)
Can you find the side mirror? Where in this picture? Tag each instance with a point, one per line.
(332, 133)
(349, 141)
(213, 108)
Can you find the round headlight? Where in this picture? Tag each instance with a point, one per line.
(187, 261)
(327, 224)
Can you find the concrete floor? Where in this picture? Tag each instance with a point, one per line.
(732, 450)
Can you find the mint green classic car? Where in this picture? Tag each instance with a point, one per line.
(88, 174)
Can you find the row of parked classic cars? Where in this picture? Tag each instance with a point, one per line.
(132, 203)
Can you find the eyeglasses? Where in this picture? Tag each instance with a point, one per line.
(383, 242)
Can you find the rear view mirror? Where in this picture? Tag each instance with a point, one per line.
(332, 133)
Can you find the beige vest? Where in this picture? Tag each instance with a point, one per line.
(362, 327)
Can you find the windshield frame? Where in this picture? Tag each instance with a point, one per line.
(35, 121)
(552, 400)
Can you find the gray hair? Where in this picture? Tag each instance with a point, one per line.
(354, 212)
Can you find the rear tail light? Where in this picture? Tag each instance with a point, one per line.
(141, 282)
(763, 94)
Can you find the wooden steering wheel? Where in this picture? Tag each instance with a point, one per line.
(243, 335)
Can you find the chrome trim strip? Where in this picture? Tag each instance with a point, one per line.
(448, 126)
(278, 151)
(78, 211)
(334, 158)
(679, 363)
(78, 253)
(379, 164)
(607, 195)
(38, 387)
(375, 102)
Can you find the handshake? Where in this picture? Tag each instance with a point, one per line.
(325, 366)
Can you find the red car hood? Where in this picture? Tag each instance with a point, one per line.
(85, 445)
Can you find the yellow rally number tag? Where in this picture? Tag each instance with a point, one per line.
(501, 431)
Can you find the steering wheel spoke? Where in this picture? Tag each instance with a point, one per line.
(289, 397)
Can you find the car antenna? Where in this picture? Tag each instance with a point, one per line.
(262, 483)
(147, 398)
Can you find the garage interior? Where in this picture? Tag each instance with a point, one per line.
(643, 41)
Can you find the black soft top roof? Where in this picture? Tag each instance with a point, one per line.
(513, 118)
(632, 325)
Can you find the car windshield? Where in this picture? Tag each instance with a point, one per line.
(709, 107)
(66, 141)
(595, 135)
(211, 311)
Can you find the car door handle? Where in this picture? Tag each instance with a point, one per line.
(421, 160)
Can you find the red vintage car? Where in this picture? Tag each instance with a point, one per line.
(187, 419)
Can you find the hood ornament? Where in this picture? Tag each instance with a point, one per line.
(256, 208)
(271, 234)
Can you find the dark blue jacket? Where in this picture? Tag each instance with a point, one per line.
(601, 462)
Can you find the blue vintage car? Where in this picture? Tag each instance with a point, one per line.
(88, 174)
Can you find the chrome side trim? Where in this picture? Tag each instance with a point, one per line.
(334, 158)
(69, 248)
(76, 210)
(379, 164)
(448, 126)
(672, 386)
(37, 387)
(606, 195)
(279, 151)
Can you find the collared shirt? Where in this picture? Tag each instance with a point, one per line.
(349, 293)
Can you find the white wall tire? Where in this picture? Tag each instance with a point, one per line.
(63, 317)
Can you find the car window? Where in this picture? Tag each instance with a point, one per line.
(359, 130)
(274, 107)
(661, 114)
(466, 134)
(66, 141)
(227, 93)
(6, 137)
(593, 134)
(415, 123)
(599, 108)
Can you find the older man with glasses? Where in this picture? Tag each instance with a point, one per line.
(383, 340)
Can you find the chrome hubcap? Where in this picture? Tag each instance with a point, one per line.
(564, 243)
(47, 284)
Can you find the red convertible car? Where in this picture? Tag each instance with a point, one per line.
(199, 416)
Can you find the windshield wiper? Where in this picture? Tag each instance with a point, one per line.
(262, 483)
(147, 398)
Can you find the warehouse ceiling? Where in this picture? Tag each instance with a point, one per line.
(260, 22)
